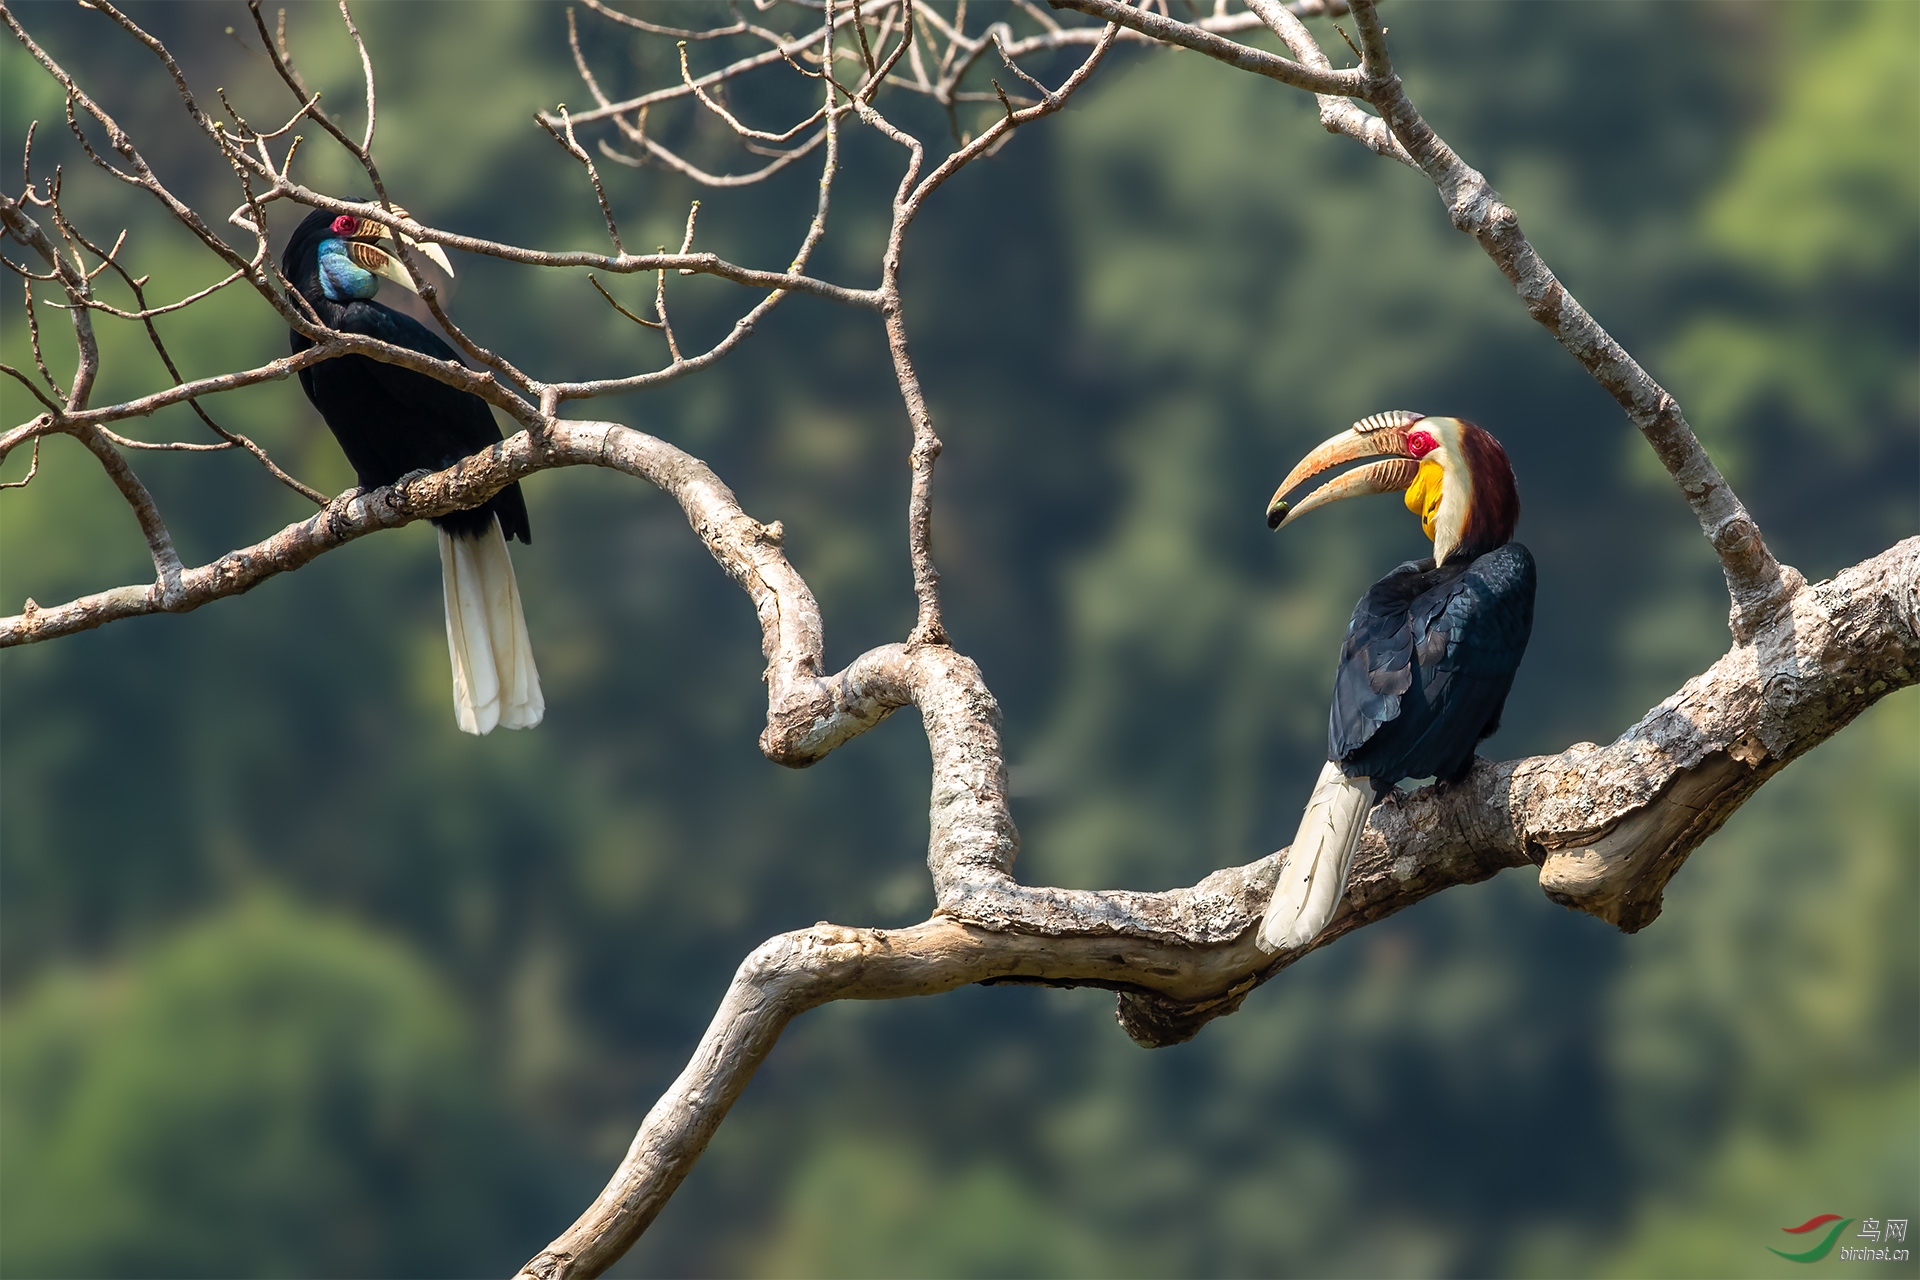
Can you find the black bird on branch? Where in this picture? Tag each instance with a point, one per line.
(1430, 653)
(391, 421)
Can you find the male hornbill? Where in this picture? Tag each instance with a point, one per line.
(391, 421)
(1430, 653)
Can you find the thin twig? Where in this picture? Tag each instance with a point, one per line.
(228, 438)
(816, 229)
(711, 33)
(366, 72)
(25, 274)
(33, 337)
(26, 162)
(23, 228)
(142, 175)
(150, 312)
(564, 136)
(660, 309)
(33, 469)
(686, 241)
(283, 64)
(710, 103)
(1000, 47)
(1197, 37)
(27, 382)
(782, 51)
(170, 446)
(615, 304)
(679, 165)
(860, 30)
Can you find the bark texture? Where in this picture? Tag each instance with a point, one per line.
(1607, 826)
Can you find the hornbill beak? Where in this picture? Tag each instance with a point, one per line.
(1383, 433)
(364, 249)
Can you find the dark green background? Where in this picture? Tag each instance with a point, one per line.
(300, 981)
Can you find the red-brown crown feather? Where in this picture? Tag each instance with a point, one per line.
(1493, 509)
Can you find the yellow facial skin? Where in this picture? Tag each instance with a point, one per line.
(1423, 495)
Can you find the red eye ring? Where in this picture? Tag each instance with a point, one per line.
(345, 225)
(1421, 443)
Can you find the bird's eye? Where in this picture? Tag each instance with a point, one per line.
(1421, 443)
(345, 225)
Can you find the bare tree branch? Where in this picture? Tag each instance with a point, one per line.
(711, 33)
(33, 469)
(22, 227)
(1337, 114)
(166, 561)
(1187, 35)
(1180, 959)
(926, 444)
(27, 382)
(229, 439)
(564, 136)
(1608, 826)
(1758, 584)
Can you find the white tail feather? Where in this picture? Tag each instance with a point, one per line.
(494, 681)
(1314, 876)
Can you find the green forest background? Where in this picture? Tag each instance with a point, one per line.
(297, 980)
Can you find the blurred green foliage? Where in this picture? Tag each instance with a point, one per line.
(294, 979)
(309, 1086)
(1764, 1053)
(1814, 225)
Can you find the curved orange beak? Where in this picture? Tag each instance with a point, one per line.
(1383, 433)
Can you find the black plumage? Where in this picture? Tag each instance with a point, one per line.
(1427, 662)
(390, 420)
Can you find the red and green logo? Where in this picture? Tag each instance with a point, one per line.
(1825, 1246)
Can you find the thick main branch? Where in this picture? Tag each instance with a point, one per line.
(1610, 824)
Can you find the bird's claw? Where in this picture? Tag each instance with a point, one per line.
(400, 483)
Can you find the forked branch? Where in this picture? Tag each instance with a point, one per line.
(1608, 826)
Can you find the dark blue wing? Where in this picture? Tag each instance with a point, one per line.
(1376, 659)
(1427, 663)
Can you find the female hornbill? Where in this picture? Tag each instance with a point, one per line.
(1431, 650)
(391, 421)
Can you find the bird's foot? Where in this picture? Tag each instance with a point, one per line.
(400, 483)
